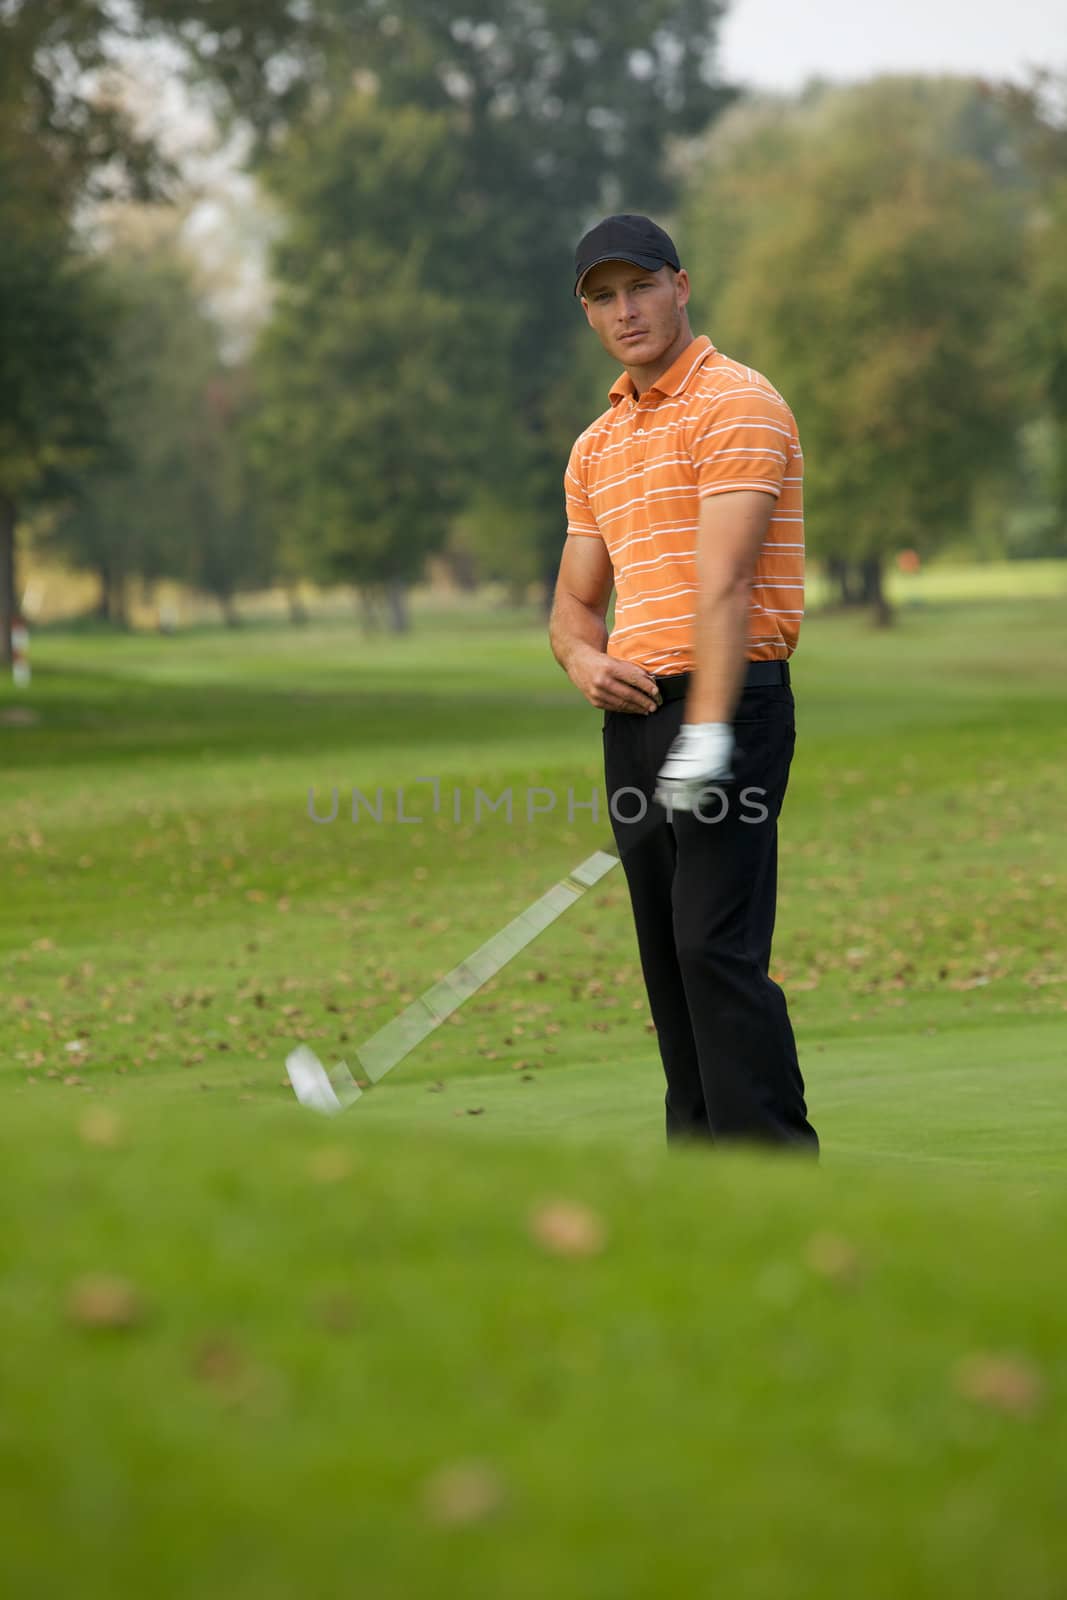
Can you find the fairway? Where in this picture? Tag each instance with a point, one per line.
(762, 1379)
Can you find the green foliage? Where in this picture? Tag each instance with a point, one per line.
(1047, 327)
(63, 138)
(172, 500)
(230, 540)
(54, 338)
(871, 267)
(57, 105)
(564, 103)
(550, 119)
(547, 125)
(372, 408)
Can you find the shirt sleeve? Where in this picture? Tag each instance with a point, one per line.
(580, 518)
(743, 441)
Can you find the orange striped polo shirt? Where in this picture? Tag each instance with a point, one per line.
(637, 475)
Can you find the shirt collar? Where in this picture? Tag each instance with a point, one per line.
(676, 377)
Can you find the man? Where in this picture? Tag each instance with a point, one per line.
(685, 495)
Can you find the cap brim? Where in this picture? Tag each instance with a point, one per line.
(650, 264)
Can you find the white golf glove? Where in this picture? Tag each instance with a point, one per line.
(699, 756)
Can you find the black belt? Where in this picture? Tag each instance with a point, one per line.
(758, 675)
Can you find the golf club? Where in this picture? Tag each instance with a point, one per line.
(331, 1092)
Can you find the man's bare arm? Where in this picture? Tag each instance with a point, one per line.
(731, 532)
(578, 634)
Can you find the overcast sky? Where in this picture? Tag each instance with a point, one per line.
(777, 44)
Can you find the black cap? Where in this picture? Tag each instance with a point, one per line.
(626, 236)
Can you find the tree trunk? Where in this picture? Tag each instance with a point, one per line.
(396, 598)
(229, 611)
(119, 615)
(369, 620)
(848, 579)
(8, 589)
(549, 574)
(111, 606)
(463, 569)
(874, 594)
(297, 610)
(102, 611)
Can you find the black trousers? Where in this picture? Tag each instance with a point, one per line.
(704, 894)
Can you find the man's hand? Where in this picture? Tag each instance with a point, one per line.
(699, 756)
(611, 684)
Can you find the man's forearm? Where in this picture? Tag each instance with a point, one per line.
(720, 645)
(575, 627)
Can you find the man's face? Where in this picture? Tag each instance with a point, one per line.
(637, 315)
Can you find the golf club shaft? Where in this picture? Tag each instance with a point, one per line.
(399, 1037)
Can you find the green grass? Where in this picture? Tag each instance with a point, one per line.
(333, 1313)
(979, 580)
(947, 581)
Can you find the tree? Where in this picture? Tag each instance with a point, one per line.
(230, 541)
(172, 498)
(1047, 263)
(871, 271)
(555, 114)
(54, 336)
(371, 388)
(1037, 111)
(58, 107)
(61, 138)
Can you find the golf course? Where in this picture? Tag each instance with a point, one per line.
(483, 1335)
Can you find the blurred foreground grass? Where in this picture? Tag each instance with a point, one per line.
(337, 1362)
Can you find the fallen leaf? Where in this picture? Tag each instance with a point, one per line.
(833, 1257)
(330, 1165)
(338, 1313)
(100, 1127)
(102, 1301)
(568, 1229)
(218, 1361)
(466, 1491)
(1002, 1382)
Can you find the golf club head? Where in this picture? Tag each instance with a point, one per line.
(319, 1090)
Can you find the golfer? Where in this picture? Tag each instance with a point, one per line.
(685, 495)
